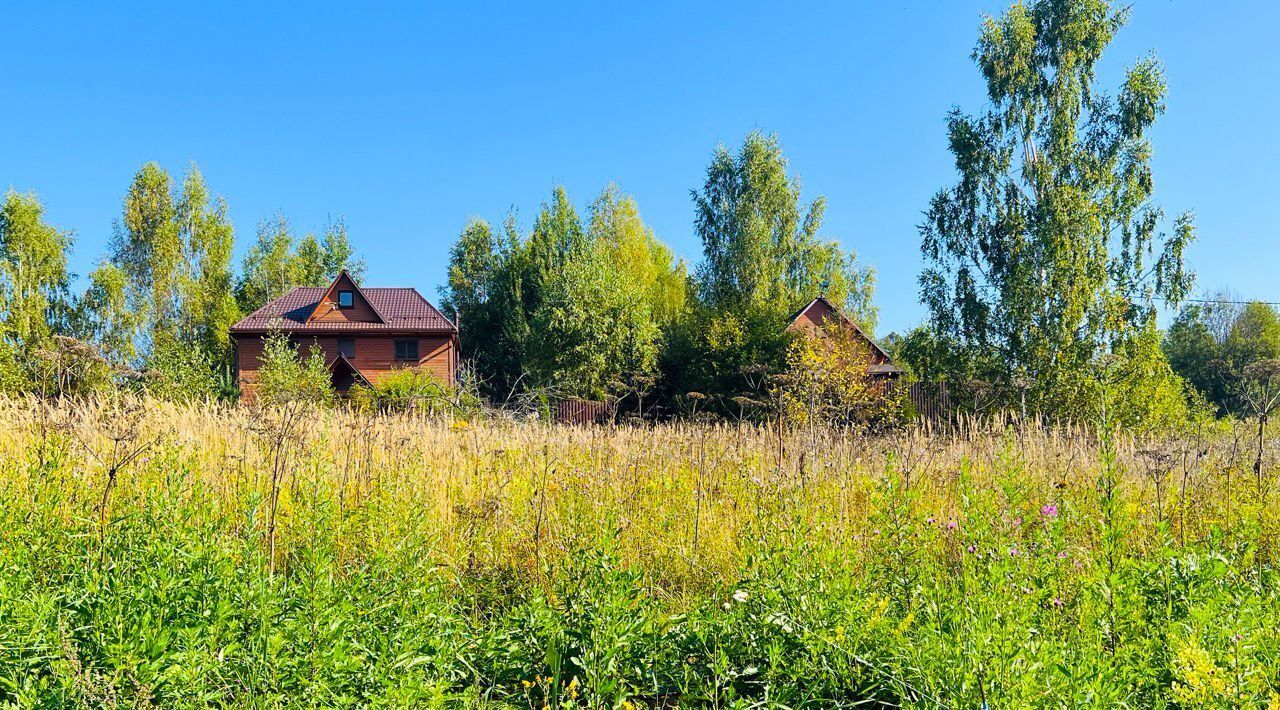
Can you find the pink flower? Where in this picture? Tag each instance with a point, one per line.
(971, 549)
(929, 520)
(1013, 551)
(1049, 510)
(951, 525)
(1017, 520)
(1057, 602)
(1062, 555)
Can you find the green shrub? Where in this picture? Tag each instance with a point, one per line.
(413, 389)
(286, 376)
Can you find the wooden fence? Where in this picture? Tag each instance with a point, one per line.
(931, 400)
(584, 411)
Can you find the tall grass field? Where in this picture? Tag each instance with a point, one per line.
(155, 554)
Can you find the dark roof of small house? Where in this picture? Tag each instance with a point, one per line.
(343, 361)
(884, 368)
(401, 309)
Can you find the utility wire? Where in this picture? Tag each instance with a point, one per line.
(1220, 301)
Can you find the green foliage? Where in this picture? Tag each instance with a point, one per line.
(763, 258)
(208, 308)
(178, 371)
(147, 247)
(1048, 252)
(761, 248)
(1145, 394)
(103, 315)
(163, 301)
(513, 566)
(287, 377)
(571, 310)
(1212, 346)
(34, 304)
(33, 272)
(828, 382)
(277, 261)
(413, 389)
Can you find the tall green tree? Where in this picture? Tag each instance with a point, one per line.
(170, 261)
(147, 246)
(615, 227)
(1049, 251)
(598, 329)
(763, 258)
(1197, 356)
(208, 308)
(278, 261)
(33, 271)
(1254, 336)
(573, 309)
(33, 284)
(485, 293)
(761, 246)
(104, 318)
(1212, 346)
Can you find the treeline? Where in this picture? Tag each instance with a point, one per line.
(595, 306)
(1229, 352)
(156, 310)
(588, 304)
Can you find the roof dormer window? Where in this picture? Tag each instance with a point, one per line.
(346, 299)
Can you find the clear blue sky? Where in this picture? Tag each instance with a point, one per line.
(408, 120)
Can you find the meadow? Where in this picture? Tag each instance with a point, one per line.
(155, 553)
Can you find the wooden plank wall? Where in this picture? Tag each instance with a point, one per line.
(375, 355)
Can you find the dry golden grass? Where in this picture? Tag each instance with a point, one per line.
(678, 498)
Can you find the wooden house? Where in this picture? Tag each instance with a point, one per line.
(364, 333)
(821, 314)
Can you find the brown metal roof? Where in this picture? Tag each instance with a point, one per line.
(845, 320)
(402, 309)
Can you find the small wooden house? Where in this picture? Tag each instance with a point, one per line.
(364, 333)
(821, 314)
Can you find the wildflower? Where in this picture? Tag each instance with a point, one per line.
(929, 520)
(951, 525)
(1013, 551)
(1062, 555)
(1017, 521)
(740, 596)
(1057, 602)
(727, 606)
(527, 684)
(971, 549)
(1049, 510)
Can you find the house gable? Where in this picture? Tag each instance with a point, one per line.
(344, 301)
(345, 374)
(820, 314)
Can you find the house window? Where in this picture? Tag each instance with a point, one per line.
(346, 299)
(347, 347)
(406, 350)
